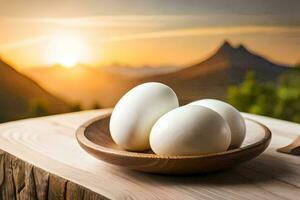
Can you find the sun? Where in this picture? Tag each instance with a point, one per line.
(67, 49)
(68, 60)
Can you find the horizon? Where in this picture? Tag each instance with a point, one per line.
(116, 65)
(144, 33)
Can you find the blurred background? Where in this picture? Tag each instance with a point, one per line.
(62, 56)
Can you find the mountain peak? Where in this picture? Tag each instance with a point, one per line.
(241, 48)
(226, 44)
(226, 47)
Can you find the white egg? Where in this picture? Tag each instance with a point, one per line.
(231, 115)
(137, 111)
(190, 130)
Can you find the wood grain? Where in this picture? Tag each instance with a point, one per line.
(94, 136)
(49, 144)
(21, 180)
(293, 148)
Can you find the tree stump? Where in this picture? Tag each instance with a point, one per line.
(21, 180)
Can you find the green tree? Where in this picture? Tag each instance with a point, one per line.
(38, 108)
(280, 100)
(252, 96)
(96, 106)
(288, 94)
(76, 107)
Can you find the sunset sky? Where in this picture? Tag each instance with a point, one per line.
(144, 32)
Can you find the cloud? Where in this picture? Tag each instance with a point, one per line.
(178, 20)
(208, 31)
(108, 20)
(172, 33)
(23, 43)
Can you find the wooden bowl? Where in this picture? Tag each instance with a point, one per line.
(94, 137)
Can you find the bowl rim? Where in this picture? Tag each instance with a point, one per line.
(86, 143)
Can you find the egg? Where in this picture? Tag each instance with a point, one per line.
(231, 115)
(137, 111)
(189, 131)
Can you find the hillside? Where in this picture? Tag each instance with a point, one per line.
(20, 96)
(82, 84)
(139, 72)
(211, 77)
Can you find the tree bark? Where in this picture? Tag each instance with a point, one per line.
(20, 180)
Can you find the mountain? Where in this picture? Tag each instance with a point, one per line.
(82, 84)
(212, 77)
(139, 72)
(20, 96)
(238, 60)
(209, 78)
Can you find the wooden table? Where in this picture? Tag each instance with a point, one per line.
(40, 159)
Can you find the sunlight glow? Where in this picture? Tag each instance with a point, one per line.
(68, 60)
(67, 49)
